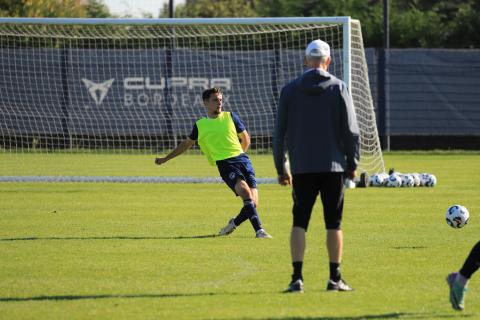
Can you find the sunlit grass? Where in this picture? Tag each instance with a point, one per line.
(147, 251)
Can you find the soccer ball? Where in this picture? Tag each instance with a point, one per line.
(384, 176)
(394, 181)
(457, 216)
(349, 184)
(428, 180)
(416, 179)
(423, 178)
(407, 180)
(376, 180)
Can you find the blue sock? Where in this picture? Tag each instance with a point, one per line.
(248, 212)
(255, 220)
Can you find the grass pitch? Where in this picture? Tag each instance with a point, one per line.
(147, 251)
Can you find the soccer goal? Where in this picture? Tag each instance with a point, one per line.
(115, 86)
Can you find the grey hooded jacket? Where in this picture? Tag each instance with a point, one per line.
(317, 125)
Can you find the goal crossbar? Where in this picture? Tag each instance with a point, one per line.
(176, 21)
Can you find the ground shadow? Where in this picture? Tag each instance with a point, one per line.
(112, 238)
(393, 315)
(103, 296)
(125, 296)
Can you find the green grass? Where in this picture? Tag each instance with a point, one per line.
(143, 251)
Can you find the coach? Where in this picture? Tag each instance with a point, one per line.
(316, 124)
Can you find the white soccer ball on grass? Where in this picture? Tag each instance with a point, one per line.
(428, 180)
(394, 181)
(376, 180)
(457, 216)
(349, 184)
(407, 180)
(416, 179)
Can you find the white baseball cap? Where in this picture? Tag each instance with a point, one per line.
(317, 48)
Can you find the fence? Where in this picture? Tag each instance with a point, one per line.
(433, 99)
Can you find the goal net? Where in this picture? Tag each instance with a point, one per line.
(133, 86)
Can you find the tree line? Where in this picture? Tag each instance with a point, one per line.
(54, 9)
(413, 23)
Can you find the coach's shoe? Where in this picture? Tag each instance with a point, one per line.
(261, 233)
(457, 292)
(228, 228)
(340, 285)
(295, 287)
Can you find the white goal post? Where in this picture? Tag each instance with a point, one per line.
(134, 85)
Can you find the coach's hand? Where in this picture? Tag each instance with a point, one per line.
(285, 180)
(160, 161)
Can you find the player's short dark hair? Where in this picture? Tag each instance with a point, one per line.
(208, 93)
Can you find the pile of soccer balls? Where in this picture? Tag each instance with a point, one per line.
(396, 179)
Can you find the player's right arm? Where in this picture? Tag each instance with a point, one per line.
(181, 148)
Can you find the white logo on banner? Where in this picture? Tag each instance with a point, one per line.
(98, 91)
(142, 91)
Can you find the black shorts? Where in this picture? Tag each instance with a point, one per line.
(306, 187)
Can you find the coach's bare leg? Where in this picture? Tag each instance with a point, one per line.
(297, 243)
(335, 245)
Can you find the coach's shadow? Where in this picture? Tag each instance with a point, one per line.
(112, 238)
(393, 315)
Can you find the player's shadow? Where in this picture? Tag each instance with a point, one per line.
(103, 296)
(125, 296)
(112, 238)
(410, 247)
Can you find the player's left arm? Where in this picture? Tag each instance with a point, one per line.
(351, 132)
(244, 140)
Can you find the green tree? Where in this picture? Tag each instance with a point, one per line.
(462, 24)
(97, 9)
(415, 28)
(11, 8)
(53, 8)
(413, 23)
(216, 9)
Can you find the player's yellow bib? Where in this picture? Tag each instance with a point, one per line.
(218, 138)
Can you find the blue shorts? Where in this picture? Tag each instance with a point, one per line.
(235, 168)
